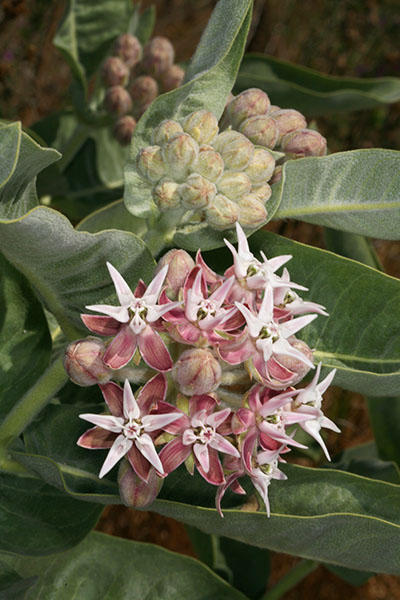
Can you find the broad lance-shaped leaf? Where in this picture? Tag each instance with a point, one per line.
(356, 191)
(25, 342)
(87, 31)
(360, 338)
(21, 159)
(68, 267)
(112, 568)
(316, 513)
(209, 79)
(311, 92)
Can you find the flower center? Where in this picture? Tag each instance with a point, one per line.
(207, 308)
(269, 331)
(204, 434)
(132, 429)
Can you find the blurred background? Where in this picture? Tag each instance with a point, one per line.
(354, 38)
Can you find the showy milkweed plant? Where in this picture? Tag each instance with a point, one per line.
(162, 349)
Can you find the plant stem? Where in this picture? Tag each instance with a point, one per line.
(301, 570)
(29, 406)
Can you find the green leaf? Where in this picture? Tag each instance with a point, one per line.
(249, 565)
(360, 301)
(311, 92)
(355, 191)
(364, 460)
(110, 157)
(351, 576)
(116, 569)
(36, 519)
(385, 421)
(68, 267)
(113, 216)
(352, 246)
(25, 342)
(209, 79)
(86, 32)
(12, 586)
(21, 160)
(145, 25)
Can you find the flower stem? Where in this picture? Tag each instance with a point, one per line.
(29, 406)
(295, 575)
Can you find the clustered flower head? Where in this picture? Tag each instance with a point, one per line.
(219, 178)
(134, 76)
(220, 361)
(283, 129)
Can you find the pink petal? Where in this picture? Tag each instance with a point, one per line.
(174, 454)
(96, 438)
(101, 325)
(242, 419)
(124, 292)
(131, 408)
(177, 426)
(215, 474)
(153, 392)
(145, 445)
(121, 349)
(108, 422)
(153, 350)
(237, 352)
(113, 395)
(249, 444)
(271, 430)
(201, 453)
(119, 448)
(139, 464)
(278, 372)
(222, 445)
(230, 481)
(137, 493)
(217, 418)
(201, 403)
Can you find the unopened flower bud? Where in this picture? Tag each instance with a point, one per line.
(123, 129)
(209, 163)
(172, 78)
(83, 362)
(117, 101)
(158, 56)
(202, 125)
(288, 120)
(197, 192)
(222, 214)
(252, 212)
(248, 104)
(197, 371)
(262, 192)
(165, 131)
(261, 166)
(180, 264)
(133, 490)
(262, 130)
(293, 364)
(129, 49)
(234, 184)
(166, 194)
(150, 163)
(143, 91)
(236, 150)
(304, 142)
(180, 153)
(276, 175)
(114, 71)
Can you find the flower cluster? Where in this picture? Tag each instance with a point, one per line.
(134, 76)
(284, 129)
(226, 360)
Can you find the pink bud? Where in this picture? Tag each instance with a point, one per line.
(197, 372)
(158, 56)
(304, 142)
(172, 78)
(143, 91)
(114, 71)
(134, 491)
(288, 120)
(249, 103)
(262, 130)
(129, 49)
(180, 264)
(123, 129)
(293, 364)
(83, 362)
(117, 101)
(276, 175)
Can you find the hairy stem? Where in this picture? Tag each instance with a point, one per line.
(301, 570)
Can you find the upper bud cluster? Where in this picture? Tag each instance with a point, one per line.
(134, 76)
(252, 114)
(223, 177)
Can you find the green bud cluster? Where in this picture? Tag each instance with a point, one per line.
(134, 76)
(283, 129)
(222, 177)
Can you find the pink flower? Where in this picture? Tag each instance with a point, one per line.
(286, 298)
(308, 404)
(126, 431)
(133, 323)
(198, 435)
(264, 470)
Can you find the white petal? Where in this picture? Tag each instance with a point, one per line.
(291, 327)
(146, 447)
(119, 448)
(222, 445)
(108, 422)
(124, 292)
(119, 313)
(154, 288)
(131, 408)
(201, 453)
(154, 422)
(253, 322)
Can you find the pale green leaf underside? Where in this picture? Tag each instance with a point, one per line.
(356, 191)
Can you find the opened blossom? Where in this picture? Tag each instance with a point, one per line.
(128, 430)
(133, 323)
